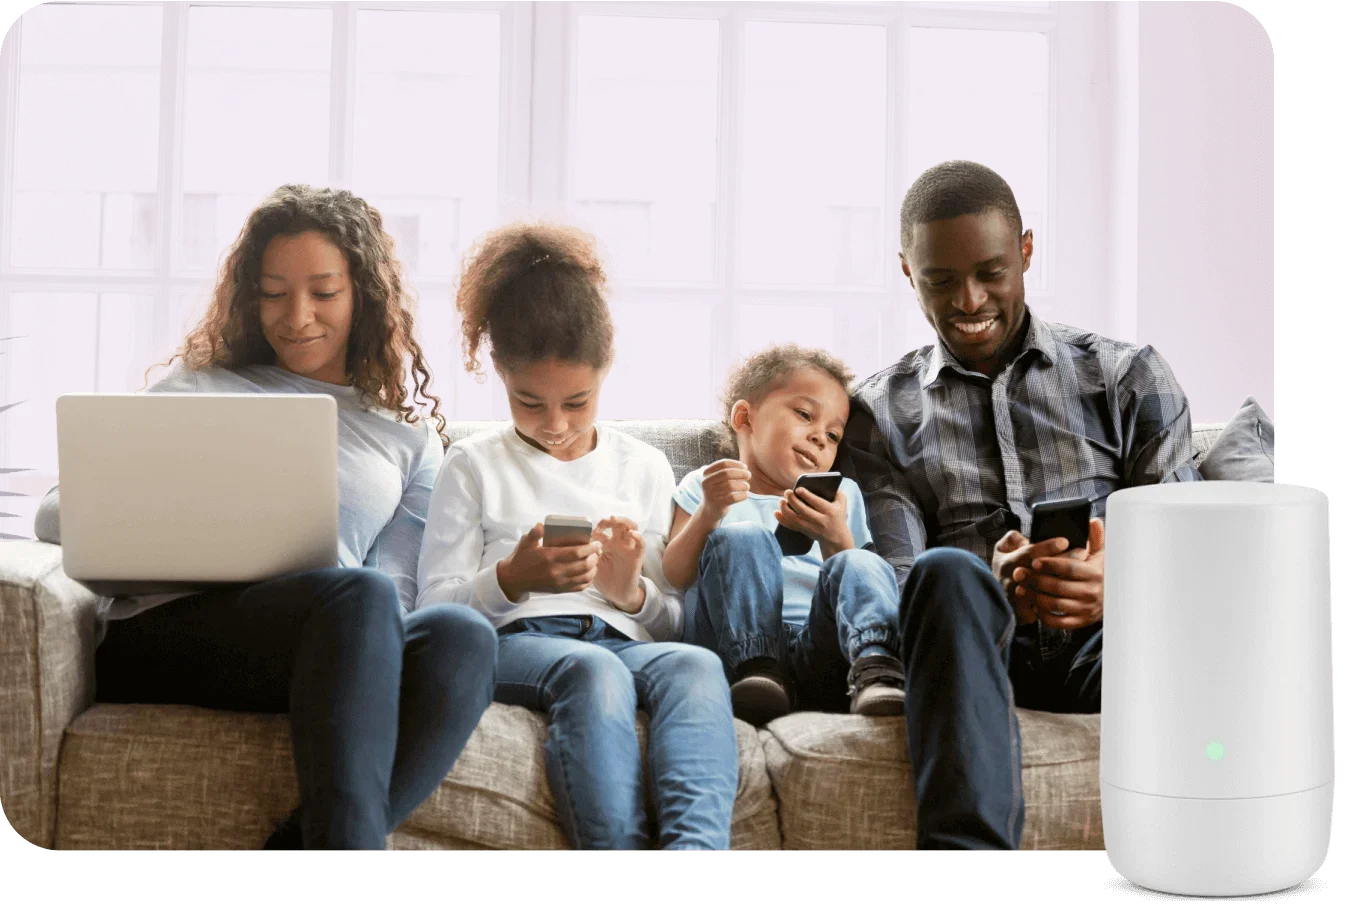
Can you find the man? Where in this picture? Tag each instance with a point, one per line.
(951, 447)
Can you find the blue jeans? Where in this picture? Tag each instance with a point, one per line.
(380, 703)
(739, 613)
(967, 666)
(590, 679)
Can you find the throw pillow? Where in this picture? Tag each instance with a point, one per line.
(1243, 451)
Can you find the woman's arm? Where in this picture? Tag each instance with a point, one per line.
(47, 522)
(396, 549)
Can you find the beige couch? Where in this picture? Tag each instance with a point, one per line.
(74, 774)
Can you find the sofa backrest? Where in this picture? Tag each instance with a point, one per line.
(693, 442)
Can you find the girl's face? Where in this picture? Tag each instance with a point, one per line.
(306, 305)
(554, 404)
(793, 430)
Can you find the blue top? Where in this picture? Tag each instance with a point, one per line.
(800, 574)
(385, 471)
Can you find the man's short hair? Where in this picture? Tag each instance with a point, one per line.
(953, 189)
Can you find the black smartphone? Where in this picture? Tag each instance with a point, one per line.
(1062, 518)
(823, 484)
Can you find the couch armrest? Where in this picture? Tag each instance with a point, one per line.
(47, 625)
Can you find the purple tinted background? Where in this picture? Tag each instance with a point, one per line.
(742, 193)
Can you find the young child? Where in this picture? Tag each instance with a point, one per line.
(824, 624)
(586, 631)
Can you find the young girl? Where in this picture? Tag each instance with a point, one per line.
(824, 624)
(381, 700)
(585, 630)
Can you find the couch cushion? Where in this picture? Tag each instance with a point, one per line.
(1204, 436)
(845, 782)
(158, 776)
(1243, 451)
(497, 795)
(688, 443)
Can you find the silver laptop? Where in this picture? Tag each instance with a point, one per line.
(164, 492)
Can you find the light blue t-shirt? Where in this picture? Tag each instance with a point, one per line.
(800, 574)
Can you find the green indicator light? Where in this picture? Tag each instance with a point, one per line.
(1215, 750)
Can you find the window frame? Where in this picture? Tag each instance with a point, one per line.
(173, 285)
(537, 119)
(853, 306)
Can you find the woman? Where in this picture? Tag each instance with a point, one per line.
(381, 699)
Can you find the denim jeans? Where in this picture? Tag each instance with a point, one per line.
(967, 666)
(380, 703)
(590, 679)
(739, 613)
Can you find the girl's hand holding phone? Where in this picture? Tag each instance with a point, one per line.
(556, 570)
(817, 518)
(622, 549)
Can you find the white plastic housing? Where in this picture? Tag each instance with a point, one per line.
(1216, 719)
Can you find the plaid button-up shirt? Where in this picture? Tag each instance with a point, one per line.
(948, 457)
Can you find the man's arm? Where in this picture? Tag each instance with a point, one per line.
(1157, 430)
(898, 530)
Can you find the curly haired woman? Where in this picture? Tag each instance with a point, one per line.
(381, 699)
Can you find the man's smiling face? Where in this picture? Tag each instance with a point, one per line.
(969, 275)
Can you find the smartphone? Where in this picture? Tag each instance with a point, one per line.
(1062, 518)
(566, 531)
(822, 484)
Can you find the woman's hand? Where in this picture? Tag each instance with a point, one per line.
(555, 570)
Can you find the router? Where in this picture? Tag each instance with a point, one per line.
(1216, 712)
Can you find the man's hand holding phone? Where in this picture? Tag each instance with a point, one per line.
(534, 567)
(1066, 590)
(1014, 552)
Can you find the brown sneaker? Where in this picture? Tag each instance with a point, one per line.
(875, 685)
(758, 698)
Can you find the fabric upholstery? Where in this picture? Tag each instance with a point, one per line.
(1243, 451)
(153, 776)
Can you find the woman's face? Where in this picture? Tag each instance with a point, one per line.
(306, 305)
(553, 404)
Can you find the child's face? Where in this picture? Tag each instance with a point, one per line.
(793, 430)
(553, 404)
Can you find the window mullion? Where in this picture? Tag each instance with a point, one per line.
(172, 76)
(728, 210)
(342, 89)
(9, 108)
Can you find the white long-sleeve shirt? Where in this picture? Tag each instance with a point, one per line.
(493, 487)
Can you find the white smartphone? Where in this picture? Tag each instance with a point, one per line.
(566, 531)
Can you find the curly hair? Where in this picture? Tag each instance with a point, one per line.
(382, 351)
(534, 291)
(762, 372)
(952, 189)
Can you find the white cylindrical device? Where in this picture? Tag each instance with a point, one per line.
(1216, 712)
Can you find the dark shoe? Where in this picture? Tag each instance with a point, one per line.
(287, 835)
(759, 695)
(875, 685)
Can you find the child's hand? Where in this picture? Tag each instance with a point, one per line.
(556, 570)
(724, 483)
(619, 574)
(818, 519)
